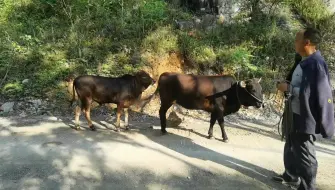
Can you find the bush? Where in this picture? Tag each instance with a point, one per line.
(237, 59)
(13, 89)
(50, 39)
(313, 11)
(161, 41)
(118, 64)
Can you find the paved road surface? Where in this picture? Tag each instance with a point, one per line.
(45, 153)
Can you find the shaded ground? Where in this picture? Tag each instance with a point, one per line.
(45, 153)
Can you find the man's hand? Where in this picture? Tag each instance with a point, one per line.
(283, 86)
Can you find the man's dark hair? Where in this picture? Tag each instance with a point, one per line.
(313, 35)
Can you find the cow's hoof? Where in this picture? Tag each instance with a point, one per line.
(127, 128)
(117, 129)
(210, 137)
(93, 128)
(164, 132)
(225, 140)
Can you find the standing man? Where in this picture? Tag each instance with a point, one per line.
(313, 113)
(289, 176)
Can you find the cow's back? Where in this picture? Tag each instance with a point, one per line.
(190, 84)
(190, 91)
(221, 83)
(105, 89)
(175, 85)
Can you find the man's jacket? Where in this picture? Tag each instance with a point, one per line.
(316, 101)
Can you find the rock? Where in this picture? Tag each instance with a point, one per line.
(7, 107)
(173, 120)
(111, 118)
(25, 81)
(228, 9)
(53, 118)
(23, 114)
(36, 103)
(184, 25)
(49, 113)
(220, 19)
(330, 4)
(5, 133)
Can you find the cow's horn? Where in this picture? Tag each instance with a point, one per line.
(243, 84)
(259, 80)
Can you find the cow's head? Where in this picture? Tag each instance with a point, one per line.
(144, 79)
(251, 93)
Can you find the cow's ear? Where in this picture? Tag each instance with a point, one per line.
(242, 84)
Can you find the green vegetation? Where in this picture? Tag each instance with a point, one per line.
(46, 40)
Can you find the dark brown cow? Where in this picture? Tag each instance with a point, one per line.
(219, 95)
(123, 91)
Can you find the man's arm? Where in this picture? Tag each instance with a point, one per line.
(324, 102)
(283, 86)
(296, 91)
(297, 60)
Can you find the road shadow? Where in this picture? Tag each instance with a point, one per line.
(325, 150)
(65, 158)
(141, 121)
(176, 142)
(272, 130)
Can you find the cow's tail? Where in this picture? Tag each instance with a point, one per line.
(146, 100)
(73, 95)
(153, 95)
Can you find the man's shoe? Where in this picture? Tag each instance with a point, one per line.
(278, 178)
(291, 183)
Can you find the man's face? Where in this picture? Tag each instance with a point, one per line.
(300, 43)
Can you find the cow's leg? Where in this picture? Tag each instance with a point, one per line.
(126, 117)
(88, 118)
(87, 109)
(77, 113)
(221, 123)
(162, 116)
(118, 116)
(212, 123)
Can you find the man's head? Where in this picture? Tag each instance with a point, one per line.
(306, 41)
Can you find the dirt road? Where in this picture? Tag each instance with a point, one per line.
(45, 153)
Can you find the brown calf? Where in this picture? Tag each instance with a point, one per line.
(123, 91)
